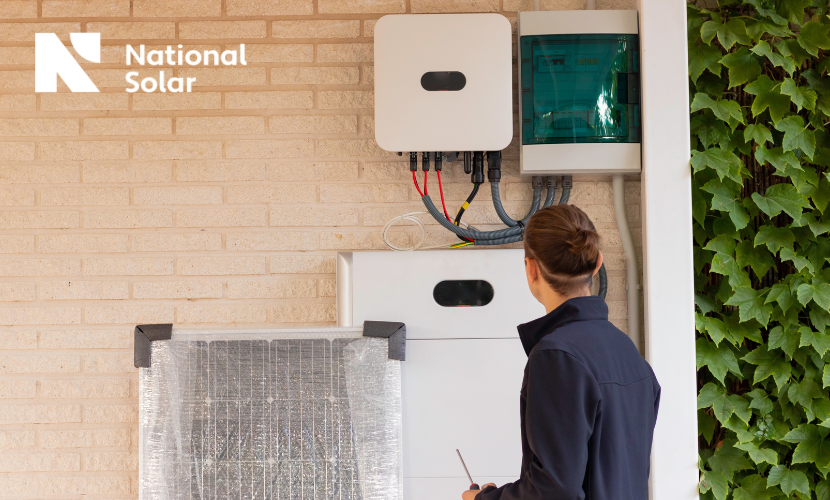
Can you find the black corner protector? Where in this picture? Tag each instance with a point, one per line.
(394, 331)
(144, 335)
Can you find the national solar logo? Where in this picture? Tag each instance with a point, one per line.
(53, 60)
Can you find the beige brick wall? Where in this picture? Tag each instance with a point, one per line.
(223, 207)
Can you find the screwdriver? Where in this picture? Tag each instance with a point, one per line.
(473, 485)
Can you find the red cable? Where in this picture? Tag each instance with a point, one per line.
(415, 180)
(425, 182)
(441, 190)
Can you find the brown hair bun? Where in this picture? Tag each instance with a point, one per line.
(565, 244)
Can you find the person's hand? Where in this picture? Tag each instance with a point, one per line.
(471, 494)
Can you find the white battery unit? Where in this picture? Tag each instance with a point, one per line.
(443, 82)
(579, 92)
(461, 379)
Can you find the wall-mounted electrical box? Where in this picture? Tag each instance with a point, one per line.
(579, 92)
(462, 349)
(443, 82)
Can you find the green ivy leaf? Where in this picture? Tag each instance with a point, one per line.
(705, 303)
(726, 110)
(814, 36)
(798, 261)
(763, 49)
(740, 428)
(724, 163)
(715, 481)
(818, 252)
(784, 339)
(768, 95)
(722, 243)
(797, 135)
(713, 326)
(820, 318)
(802, 97)
(705, 425)
(793, 11)
(791, 48)
(708, 31)
(823, 490)
(728, 33)
(728, 460)
(784, 162)
(775, 238)
(727, 266)
(816, 291)
(788, 480)
(761, 26)
(781, 197)
(804, 393)
(710, 130)
(812, 447)
(760, 402)
(758, 258)
(743, 67)
(757, 132)
(724, 199)
(769, 364)
(708, 394)
(752, 487)
(817, 340)
(724, 405)
(825, 378)
(750, 305)
(781, 293)
(767, 10)
(821, 199)
(719, 361)
(703, 57)
(759, 455)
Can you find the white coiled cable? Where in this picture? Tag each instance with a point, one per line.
(411, 217)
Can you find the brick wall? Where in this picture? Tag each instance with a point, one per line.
(223, 207)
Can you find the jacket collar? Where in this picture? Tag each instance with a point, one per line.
(575, 309)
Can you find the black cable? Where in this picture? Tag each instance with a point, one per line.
(603, 281)
(463, 208)
(466, 203)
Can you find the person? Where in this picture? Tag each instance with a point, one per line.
(588, 400)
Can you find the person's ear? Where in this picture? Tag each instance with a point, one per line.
(599, 264)
(532, 270)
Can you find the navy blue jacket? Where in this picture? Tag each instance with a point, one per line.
(588, 406)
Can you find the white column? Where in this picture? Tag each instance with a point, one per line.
(667, 246)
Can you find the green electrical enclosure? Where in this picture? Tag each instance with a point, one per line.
(579, 85)
(580, 88)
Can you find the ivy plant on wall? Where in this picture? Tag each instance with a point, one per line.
(760, 110)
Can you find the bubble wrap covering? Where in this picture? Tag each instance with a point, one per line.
(298, 419)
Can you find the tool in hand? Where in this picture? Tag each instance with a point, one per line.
(473, 485)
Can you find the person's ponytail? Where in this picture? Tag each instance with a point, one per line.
(565, 244)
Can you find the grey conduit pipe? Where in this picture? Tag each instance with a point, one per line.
(631, 272)
(551, 194)
(506, 219)
(498, 237)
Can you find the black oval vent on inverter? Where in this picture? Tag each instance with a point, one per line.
(463, 293)
(443, 80)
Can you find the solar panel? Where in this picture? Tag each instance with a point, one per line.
(296, 418)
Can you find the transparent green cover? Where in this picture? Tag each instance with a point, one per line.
(580, 88)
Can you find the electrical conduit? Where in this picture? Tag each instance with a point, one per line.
(632, 273)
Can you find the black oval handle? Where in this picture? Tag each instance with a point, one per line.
(463, 293)
(443, 80)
